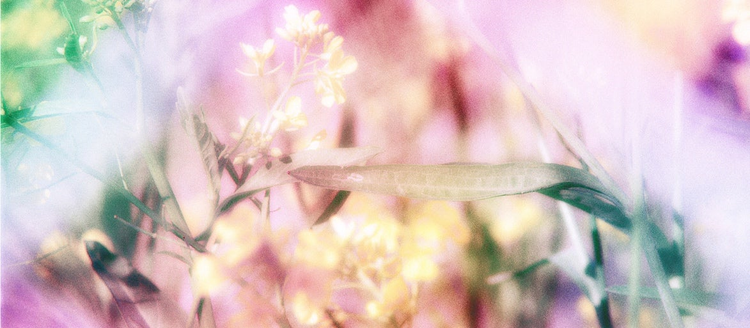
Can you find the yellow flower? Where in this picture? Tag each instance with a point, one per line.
(306, 311)
(377, 239)
(292, 118)
(329, 79)
(234, 236)
(417, 263)
(206, 274)
(258, 56)
(435, 222)
(320, 249)
(317, 139)
(395, 297)
(302, 30)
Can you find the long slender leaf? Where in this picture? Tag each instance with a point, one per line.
(42, 62)
(466, 182)
(276, 173)
(194, 123)
(682, 296)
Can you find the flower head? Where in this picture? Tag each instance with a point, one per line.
(259, 56)
(302, 29)
(292, 118)
(329, 79)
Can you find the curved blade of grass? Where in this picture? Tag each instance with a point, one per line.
(682, 296)
(194, 123)
(466, 182)
(276, 173)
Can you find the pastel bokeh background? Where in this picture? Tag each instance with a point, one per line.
(658, 91)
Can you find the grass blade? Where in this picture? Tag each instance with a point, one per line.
(683, 296)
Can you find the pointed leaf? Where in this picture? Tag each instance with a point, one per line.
(194, 123)
(276, 173)
(333, 207)
(466, 182)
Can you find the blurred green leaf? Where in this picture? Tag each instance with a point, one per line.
(42, 62)
(682, 296)
(466, 182)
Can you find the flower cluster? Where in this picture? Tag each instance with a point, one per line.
(243, 253)
(366, 256)
(315, 47)
(108, 12)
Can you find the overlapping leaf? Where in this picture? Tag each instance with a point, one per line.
(466, 182)
(276, 173)
(194, 123)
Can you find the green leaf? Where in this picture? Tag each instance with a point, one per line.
(466, 182)
(333, 207)
(42, 62)
(683, 296)
(276, 173)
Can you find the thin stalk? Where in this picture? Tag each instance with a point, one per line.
(634, 277)
(154, 166)
(565, 210)
(265, 211)
(125, 35)
(602, 310)
(295, 73)
(90, 171)
(662, 284)
(678, 229)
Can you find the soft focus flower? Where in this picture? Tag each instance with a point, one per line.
(258, 56)
(234, 235)
(101, 21)
(306, 311)
(329, 79)
(320, 249)
(394, 296)
(206, 274)
(316, 140)
(113, 5)
(738, 13)
(252, 138)
(292, 118)
(31, 27)
(302, 30)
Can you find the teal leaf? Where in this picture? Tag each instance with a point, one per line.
(683, 296)
(42, 62)
(467, 182)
